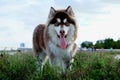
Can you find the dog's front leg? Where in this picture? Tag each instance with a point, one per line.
(57, 63)
(51, 59)
(71, 60)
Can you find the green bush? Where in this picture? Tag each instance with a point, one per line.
(16, 67)
(87, 66)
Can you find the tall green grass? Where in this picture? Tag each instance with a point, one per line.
(87, 66)
(16, 67)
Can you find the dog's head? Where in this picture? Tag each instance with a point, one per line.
(62, 26)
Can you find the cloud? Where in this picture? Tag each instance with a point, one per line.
(101, 26)
(19, 18)
(13, 32)
(83, 6)
(111, 1)
(96, 18)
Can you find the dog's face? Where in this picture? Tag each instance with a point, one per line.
(62, 26)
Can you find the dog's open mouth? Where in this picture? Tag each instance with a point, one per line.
(62, 39)
(59, 36)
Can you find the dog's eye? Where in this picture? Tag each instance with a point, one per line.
(56, 24)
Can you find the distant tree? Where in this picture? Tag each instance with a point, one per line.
(109, 43)
(117, 44)
(87, 44)
(99, 44)
(106, 44)
(83, 44)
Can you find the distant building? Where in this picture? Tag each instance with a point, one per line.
(24, 49)
(22, 45)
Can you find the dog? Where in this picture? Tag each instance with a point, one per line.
(55, 40)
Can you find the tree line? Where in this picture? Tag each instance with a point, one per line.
(106, 44)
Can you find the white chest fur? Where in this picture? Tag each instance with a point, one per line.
(59, 52)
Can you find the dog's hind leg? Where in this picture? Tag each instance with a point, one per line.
(41, 60)
(39, 46)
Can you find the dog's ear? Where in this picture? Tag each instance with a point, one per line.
(70, 11)
(52, 12)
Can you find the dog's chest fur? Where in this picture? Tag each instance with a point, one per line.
(59, 52)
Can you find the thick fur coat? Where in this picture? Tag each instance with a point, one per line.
(56, 39)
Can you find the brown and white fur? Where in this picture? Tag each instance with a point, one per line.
(56, 39)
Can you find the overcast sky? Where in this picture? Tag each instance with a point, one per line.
(97, 19)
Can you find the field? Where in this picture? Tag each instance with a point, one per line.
(87, 66)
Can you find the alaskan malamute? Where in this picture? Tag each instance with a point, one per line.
(56, 39)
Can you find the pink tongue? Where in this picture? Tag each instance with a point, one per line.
(62, 42)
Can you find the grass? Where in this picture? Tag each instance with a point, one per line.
(87, 66)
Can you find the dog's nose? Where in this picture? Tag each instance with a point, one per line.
(62, 32)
